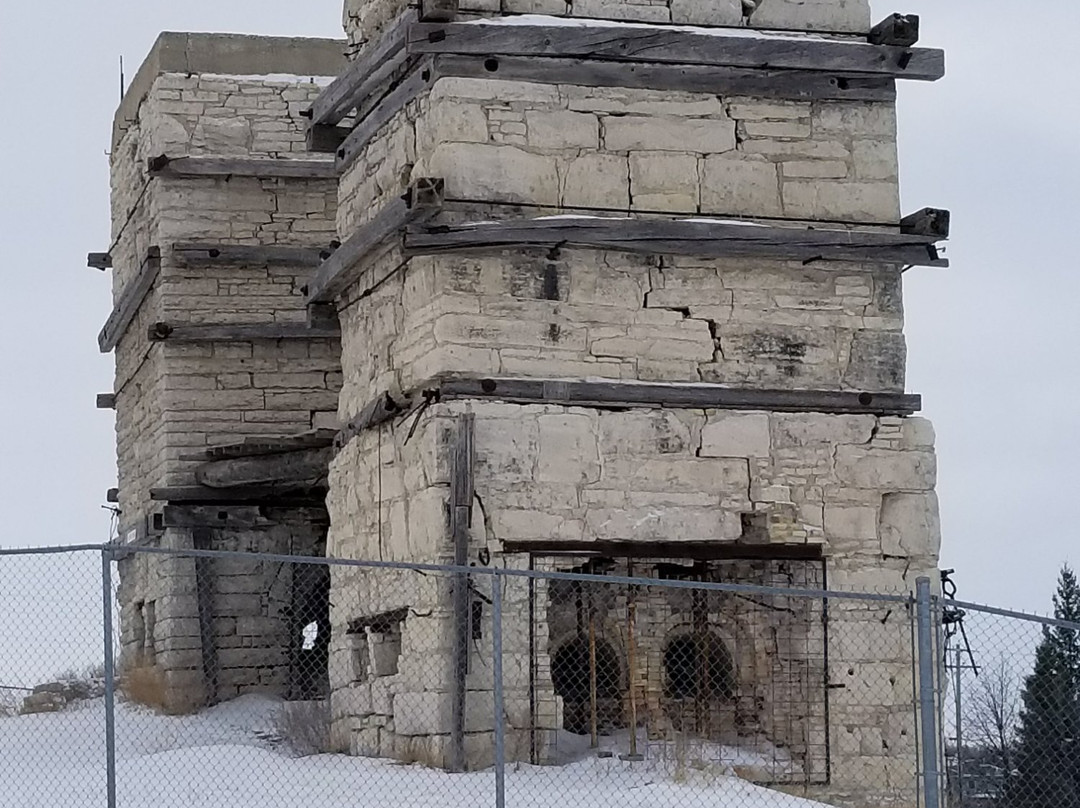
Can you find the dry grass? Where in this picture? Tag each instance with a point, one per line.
(145, 685)
(305, 726)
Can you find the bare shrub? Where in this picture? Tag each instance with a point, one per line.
(304, 726)
(145, 685)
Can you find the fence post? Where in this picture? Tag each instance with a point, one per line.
(927, 688)
(110, 676)
(497, 684)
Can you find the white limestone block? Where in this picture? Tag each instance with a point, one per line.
(494, 172)
(849, 16)
(638, 133)
(664, 181)
(561, 129)
(917, 433)
(847, 201)
(595, 181)
(568, 449)
(736, 435)
(740, 185)
(910, 525)
(706, 12)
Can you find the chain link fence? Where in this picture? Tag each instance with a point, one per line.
(149, 677)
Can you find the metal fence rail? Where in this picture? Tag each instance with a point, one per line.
(154, 677)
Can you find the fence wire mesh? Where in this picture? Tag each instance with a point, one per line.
(245, 679)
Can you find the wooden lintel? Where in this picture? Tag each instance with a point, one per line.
(106, 401)
(324, 138)
(438, 10)
(695, 550)
(196, 254)
(261, 168)
(677, 45)
(300, 467)
(100, 261)
(422, 201)
(929, 222)
(367, 74)
(244, 332)
(802, 85)
(130, 300)
(704, 238)
(280, 496)
(900, 30)
(240, 516)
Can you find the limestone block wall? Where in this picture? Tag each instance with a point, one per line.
(635, 151)
(364, 20)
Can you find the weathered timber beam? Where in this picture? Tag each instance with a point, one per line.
(240, 516)
(420, 79)
(106, 401)
(195, 255)
(677, 45)
(930, 222)
(130, 300)
(300, 467)
(438, 10)
(377, 411)
(698, 237)
(280, 496)
(244, 332)
(112, 495)
(423, 200)
(324, 138)
(252, 445)
(761, 83)
(900, 30)
(100, 261)
(261, 168)
(366, 74)
(697, 550)
(673, 395)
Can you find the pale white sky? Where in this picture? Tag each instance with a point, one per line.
(994, 341)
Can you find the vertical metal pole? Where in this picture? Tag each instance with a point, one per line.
(461, 498)
(593, 724)
(927, 708)
(110, 677)
(497, 678)
(959, 727)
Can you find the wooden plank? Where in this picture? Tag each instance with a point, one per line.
(252, 445)
(901, 30)
(372, 68)
(697, 237)
(676, 396)
(272, 495)
(262, 168)
(678, 46)
(325, 139)
(130, 300)
(423, 200)
(929, 222)
(106, 401)
(805, 85)
(100, 261)
(300, 467)
(419, 80)
(197, 255)
(246, 332)
(240, 516)
(379, 410)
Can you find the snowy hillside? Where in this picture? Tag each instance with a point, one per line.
(229, 756)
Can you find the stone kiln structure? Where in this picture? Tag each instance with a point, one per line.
(613, 294)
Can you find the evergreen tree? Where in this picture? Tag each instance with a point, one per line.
(1047, 759)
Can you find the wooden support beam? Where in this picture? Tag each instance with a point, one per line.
(423, 200)
(677, 45)
(240, 516)
(323, 315)
(803, 85)
(696, 550)
(698, 237)
(306, 467)
(130, 300)
(366, 75)
(928, 222)
(900, 30)
(461, 504)
(261, 168)
(196, 255)
(438, 10)
(246, 332)
(378, 411)
(281, 496)
(676, 396)
(325, 139)
(106, 401)
(112, 495)
(264, 445)
(100, 261)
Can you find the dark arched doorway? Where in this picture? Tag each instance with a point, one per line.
(572, 679)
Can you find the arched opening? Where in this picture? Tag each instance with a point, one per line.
(572, 677)
(698, 666)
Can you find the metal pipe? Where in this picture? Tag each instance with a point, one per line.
(631, 660)
(594, 728)
(959, 728)
(927, 707)
(110, 678)
(497, 683)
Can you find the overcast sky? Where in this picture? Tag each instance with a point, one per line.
(994, 341)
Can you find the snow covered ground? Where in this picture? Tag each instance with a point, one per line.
(229, 757)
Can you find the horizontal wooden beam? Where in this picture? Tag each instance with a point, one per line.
(261, 168)
(932, 222)
(100, 261)
(263, 494)
(901, 30)
(678, 396)
(244, 332)
(643, 43)
(695, 550)
(264, 445)
(366, 75)
(106, 401)
(240, 516)
(131, 299)
(195, 255)
(298, 467)
(423, 200)
(112, 495)
(698, 237)
(377, 411)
